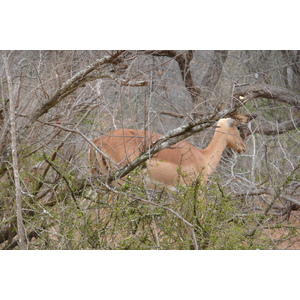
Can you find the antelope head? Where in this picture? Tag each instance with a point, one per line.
(230, 127)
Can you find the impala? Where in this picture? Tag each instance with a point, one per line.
(181, 164)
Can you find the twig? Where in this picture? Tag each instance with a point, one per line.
(161, 206)
(268, 191)
(169, 113)
(76, 132)
(63, 177)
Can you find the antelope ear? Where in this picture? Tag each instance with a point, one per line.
(243, 119)
(232, 123)
(251, 117)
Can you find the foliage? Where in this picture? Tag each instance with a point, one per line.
(121, 220)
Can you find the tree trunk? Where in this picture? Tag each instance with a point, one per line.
(12, 117)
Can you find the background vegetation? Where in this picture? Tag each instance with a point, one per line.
(53, 103)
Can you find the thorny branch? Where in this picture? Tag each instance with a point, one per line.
(161, 206)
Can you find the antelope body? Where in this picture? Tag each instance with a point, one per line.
(181, 164)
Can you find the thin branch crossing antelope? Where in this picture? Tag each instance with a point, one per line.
(181, 164)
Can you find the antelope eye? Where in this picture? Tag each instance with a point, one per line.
(239, 127)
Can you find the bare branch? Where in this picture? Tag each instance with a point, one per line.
(213, 73)
(202, 91)
(169, 113)
(270, 128)
(270, 92)
(78, 80)
(268, 191)
(70, 85)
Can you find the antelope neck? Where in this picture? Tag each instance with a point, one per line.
(214, 150)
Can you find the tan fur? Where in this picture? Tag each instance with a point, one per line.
(182, 163)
